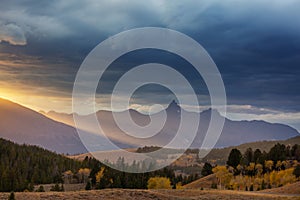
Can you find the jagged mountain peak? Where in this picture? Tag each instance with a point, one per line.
(209, 111)
(173, 106)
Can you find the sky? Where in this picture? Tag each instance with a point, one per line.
(255, 44)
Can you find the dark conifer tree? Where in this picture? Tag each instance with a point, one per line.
(234, 158)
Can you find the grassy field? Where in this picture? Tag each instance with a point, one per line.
(204, 182)
(287, 189)
(121, 194)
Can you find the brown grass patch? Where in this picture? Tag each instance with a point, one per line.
(204, 182)
(122, 194)
(293, 188)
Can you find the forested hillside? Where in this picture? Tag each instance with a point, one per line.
(256, 170)
(219, 156)
(21, 166)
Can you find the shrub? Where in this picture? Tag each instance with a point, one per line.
(40, 189)
(159, 183)
(179, 186)
(57, 188)
(214, 186)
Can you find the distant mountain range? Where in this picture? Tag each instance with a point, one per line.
(234, 132)
(23, 125)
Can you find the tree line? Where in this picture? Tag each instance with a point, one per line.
(256, 170)
(102, 176)
(23, 166)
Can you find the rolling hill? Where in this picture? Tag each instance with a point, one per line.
(293, 189)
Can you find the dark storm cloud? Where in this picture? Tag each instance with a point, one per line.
(257, 52)
(256, 44)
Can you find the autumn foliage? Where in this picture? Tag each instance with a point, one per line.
(159, 183)
(258, 171)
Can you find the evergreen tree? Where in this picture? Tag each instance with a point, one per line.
(278, 152)
(11, 196)
(248, 156)
(251, 187)
(207, 169)
(295, 152)
(234, 158)
(297, 171)
(88, 186)
(258, 157)
(263, 185)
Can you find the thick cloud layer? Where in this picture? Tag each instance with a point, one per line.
(255, 44)
(12, 34)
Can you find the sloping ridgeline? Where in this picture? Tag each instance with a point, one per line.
(21, 166)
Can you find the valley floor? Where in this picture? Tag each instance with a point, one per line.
(121, 194)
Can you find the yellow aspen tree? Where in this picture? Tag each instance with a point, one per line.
(278, 165)
(159, 183)
(100, 174)
(269, 165)
(223, 175)
(259, 169)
